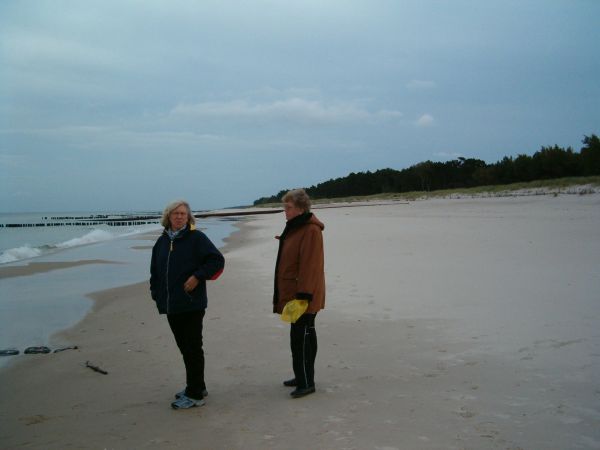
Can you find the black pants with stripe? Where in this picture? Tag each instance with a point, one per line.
(303, 342)
(187, 329)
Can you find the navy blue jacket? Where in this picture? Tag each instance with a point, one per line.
(173, 262)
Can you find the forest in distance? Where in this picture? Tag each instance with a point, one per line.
(547, 163)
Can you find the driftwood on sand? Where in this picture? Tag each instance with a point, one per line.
(62, 349)
(96, 368)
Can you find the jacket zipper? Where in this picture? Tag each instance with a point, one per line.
(168, 290)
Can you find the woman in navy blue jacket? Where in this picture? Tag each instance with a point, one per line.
(183, 258)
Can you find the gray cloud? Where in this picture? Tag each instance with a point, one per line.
(426, 120)
(293, 110)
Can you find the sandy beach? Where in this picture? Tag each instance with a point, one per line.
(449, 324)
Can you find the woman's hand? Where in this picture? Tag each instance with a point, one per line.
(190, 284)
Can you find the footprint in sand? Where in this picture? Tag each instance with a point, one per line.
(33, 420)
(559, 344)
(487, 429)
(334, 419)
(466, 412)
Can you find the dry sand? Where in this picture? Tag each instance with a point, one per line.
(450, 324)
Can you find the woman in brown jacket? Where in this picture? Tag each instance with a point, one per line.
(300, 275)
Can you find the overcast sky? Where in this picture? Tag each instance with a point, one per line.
(126, 105)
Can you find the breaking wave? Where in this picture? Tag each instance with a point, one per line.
(91, 238)
(19, 253)
(28, 252)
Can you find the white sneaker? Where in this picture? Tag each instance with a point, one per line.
(185, 402)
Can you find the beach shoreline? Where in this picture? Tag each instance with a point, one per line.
(48, 294)
(445, 327)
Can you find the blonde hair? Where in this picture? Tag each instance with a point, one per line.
(299, 198)
(164, 221)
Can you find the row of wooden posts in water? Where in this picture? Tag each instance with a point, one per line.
(125, 221)
(120, 222)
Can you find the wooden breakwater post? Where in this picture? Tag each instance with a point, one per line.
(87, 221)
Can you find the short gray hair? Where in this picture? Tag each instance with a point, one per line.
(299, 198)
(164, 221)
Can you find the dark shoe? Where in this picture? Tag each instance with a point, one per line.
(301, 392)
(290, 383)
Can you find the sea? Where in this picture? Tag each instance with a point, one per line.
(34, 307)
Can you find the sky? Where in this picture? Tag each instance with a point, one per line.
(126, 105)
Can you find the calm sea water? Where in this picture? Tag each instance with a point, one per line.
(34, 307)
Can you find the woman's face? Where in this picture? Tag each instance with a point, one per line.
(291, 210)
(178, 217)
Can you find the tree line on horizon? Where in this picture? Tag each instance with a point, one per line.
(547, 163)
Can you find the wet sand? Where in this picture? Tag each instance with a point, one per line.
(40, 267)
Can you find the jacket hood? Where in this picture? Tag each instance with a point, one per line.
(298, 221)
(316, 222)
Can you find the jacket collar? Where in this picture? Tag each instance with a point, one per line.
(296, 222)
(189, 227)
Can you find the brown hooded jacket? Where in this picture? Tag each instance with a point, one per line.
(299, 270)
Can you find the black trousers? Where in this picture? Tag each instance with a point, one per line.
(303, 342)
(187, 329)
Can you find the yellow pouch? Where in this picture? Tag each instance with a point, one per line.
(293, 310)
